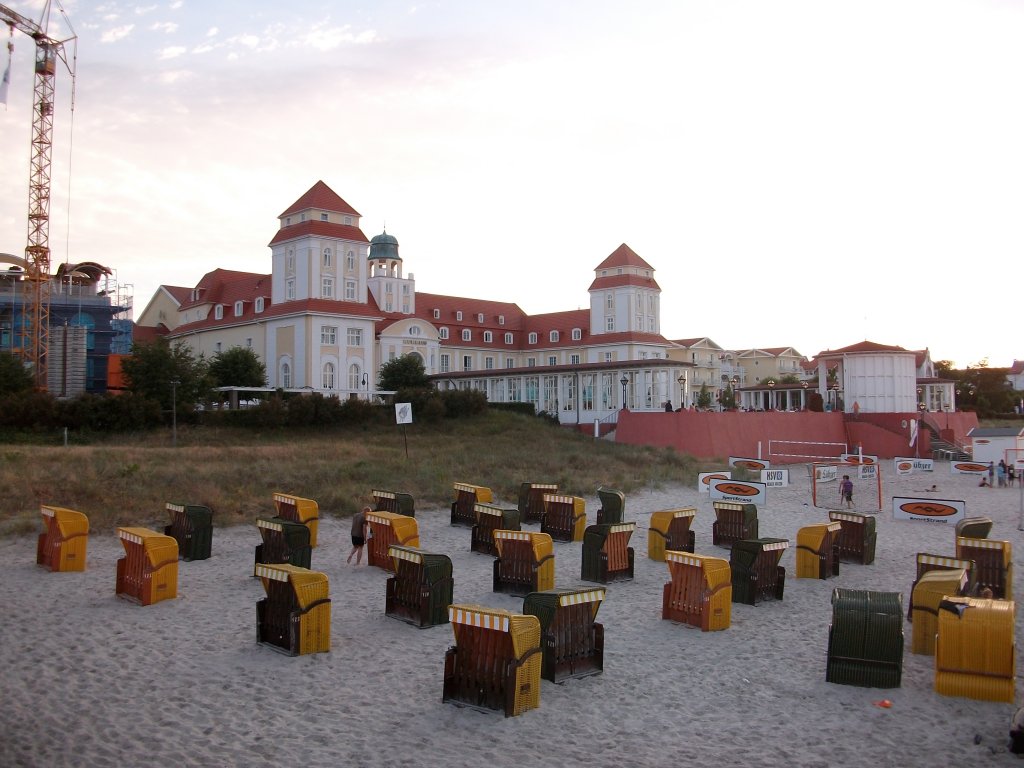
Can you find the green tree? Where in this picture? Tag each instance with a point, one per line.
(14, 377)
(728, 398)
(153, 367)
(237, 367)
(704, 397)
(405, 372)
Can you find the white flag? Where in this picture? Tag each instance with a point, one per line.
(6, 82)
(913, 432)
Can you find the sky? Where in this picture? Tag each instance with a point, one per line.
(804, 173)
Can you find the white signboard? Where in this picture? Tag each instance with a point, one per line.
(740, 491)
(403, 413)
(968, 468)
(775, 478)
(867, 471)
(945, 511)
(753, 465)
(906, 465)
(856, 458)
(826, 473)
(704, 480)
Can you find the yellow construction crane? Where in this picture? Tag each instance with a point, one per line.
(37, 253)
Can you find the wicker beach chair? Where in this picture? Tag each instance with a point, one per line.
(192, 527)
(148, 572)
(466, 498)
(858, 536)
(670, 530)
(298, 510)
(565, 517)
(284, 541)
(613, 506)
(700, 591)
(865, 639)
(817, 551)
(930, 590)
(386, 529)
(606, 555)
(525, 562)
(756, 573)
(421, 589)
(491, 518)
(295, 616)
(393, 501)
(62, 545)
(531, 500)
(734, 521)
(993, 560)
(572, 641)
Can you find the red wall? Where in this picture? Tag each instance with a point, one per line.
(738, 433)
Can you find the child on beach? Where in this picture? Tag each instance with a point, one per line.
(359, 530)
(846, 490)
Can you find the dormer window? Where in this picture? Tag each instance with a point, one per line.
(218, 312)
(458, 315)
(501, 319)
(553, 336)
(323, 217)
(437, 314)
(442, 333)
(288, 221)
(480, 317)
(467, 335)
(239, 307)
(259, 304)
(348, 220)
(577, 334)
(488, 337)
(532, 338)
(508, 338)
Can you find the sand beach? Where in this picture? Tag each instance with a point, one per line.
(91, 679)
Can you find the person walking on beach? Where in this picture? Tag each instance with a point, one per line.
(846, 490)
(991, 475)
(1001, 474)
(360, 528)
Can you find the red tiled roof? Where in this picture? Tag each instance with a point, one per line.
(144, 334)
(223, 285)
(1016, 369)
(178, 292)
(316, 228)
(426, 303)
(862, 347)
(624, 256)
(320, 197)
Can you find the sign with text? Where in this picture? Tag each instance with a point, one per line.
(945, 511)
(856, 458)
(824, 473)
(775, 478)
(906, 465)
(753, 465)
(968, 468)
(704, 480)
(867, 471)
(740, 491)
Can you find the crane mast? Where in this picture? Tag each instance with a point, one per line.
(37, 251)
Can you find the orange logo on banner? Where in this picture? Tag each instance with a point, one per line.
(928, 509)
(981, 441)
(738, 489)
(966, 466)
(749, 464)
(905, 465)
(708, 478)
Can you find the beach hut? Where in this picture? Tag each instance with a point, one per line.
(284, 541)
(670, 530)
(393, 501)
(148, 572)
(386, 529)
(298, 510)
(565, 517)
(756, 573)
(466, 498)
(857, 538)
(613, 506)
(993, 561)
(927, 562)
(975, 651)
(62, 544)
(700, 591)
(607, 555)
(495, 663)
(733, 521)
(421, 589)
(295, 616)
(572, 642)
(930, 590)
(525, 562)
(817, 551)
(531, 500)
(192, 527)
(491, 518)
(974, 528)
(865, 639)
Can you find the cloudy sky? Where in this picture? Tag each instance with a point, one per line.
(806, 173)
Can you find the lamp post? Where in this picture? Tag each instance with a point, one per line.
(682, 391)
(174, 412)
(624, 381)
(735, 381)
(771, 394)
(366, 384)
(920, 422)
(835, 396)
(803, 401)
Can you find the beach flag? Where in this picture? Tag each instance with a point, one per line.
(913, 432)
(6, 82)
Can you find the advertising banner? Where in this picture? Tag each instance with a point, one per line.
(704, 480)
(775, 478)
(945, 511)
(754, 465)
(740, 491)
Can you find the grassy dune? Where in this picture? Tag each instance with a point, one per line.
(127, 481)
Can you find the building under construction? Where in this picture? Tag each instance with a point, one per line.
(89, 318)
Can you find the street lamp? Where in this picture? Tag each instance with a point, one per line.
(682, 390)
(624, 381)
(174, 412)
(366, 383)
(735, 381)
(771, 395)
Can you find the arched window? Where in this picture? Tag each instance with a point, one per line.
(355, 377)
(286, 375)
(328, 376)
(350, 261)
(327, 257)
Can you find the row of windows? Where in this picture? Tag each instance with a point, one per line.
(329, 336)
(458, 316)
(467, 335)
(510, 362)
(327, 376)
(328, 260)
(323, 217)
(326, 289)
(218, 310)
